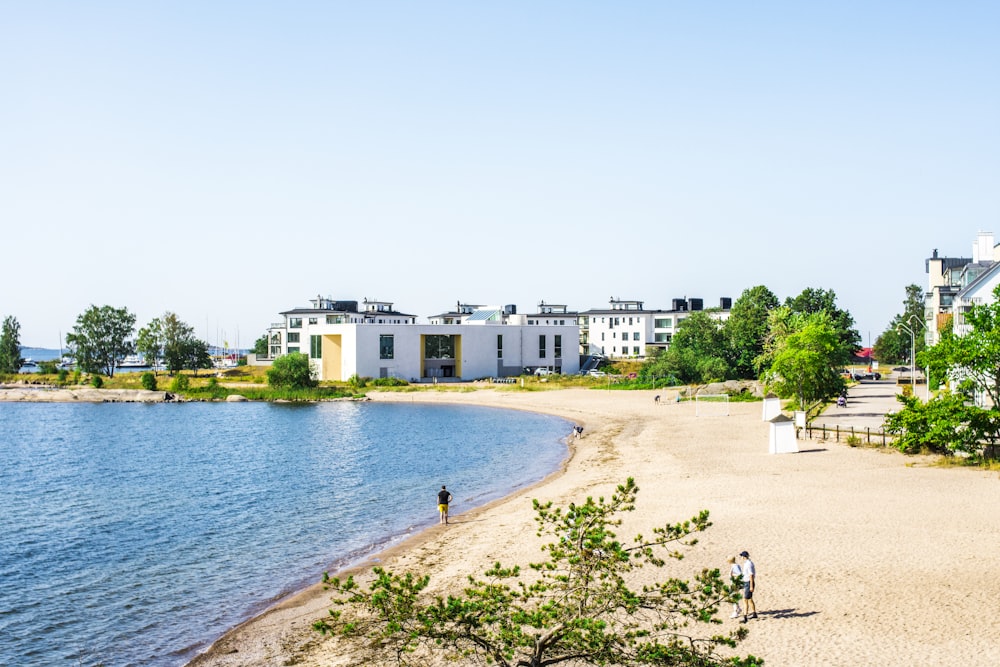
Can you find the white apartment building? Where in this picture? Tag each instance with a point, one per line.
(954, 284)
(626, 330)
(472, 342)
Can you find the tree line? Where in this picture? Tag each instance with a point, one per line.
(104, 335)
(797, 347)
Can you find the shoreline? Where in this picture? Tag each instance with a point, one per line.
(839, 535)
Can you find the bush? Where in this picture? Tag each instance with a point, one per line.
(96, 381)
(180, 383)
(77, 376)
(148, 381)
(291, 371)
(63, 374)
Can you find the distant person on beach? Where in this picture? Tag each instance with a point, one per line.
(749, 585)
(578, 431)
(444, 497)
(736, 574)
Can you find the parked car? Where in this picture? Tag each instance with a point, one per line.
(544, 371)
(596, 373)
(867, 376)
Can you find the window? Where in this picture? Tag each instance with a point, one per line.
(386, 347)
(312, 320)
(602, 336)
(294, 322)
(541, 347)
(499, 346)
(557, 346)
(293, 337)
(439, 347)
(293, 350)
(635, 335)
(661, 337)
(315, 347)
(635, 351)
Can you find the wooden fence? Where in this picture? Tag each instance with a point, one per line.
(839, 433)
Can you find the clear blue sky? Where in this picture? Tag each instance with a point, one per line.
(230, 160)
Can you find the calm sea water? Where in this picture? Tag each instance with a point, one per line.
(137, 534)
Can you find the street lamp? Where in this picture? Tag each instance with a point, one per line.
(913, 356)
(913, 345)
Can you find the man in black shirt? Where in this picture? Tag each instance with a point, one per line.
(444, 497)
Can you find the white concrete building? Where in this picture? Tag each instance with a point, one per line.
(473, 342)
(626, 330)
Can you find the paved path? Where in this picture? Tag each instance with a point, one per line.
(868, 402)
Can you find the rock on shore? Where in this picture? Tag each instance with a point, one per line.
(49, 394)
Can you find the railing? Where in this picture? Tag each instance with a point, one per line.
(823, 432)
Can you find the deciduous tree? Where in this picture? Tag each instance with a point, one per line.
(581, 605)
(10, 345)
(806, 356)
(101, 338)
(746, 329)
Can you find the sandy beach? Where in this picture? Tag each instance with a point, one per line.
(864, 556)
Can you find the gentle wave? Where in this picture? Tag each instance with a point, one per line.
(137, 534)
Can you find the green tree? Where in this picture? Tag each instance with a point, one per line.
(893, 345)
(10, 345)
(101, 338)
(947, 424)
(579, 606)
(149, 343)
(182, 350)
(291, 371)
(697, 352)
(806, 357)
(746, 329)
(260, 347)
(813, 300)
(970, 360)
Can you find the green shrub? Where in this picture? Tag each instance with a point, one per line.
(180, 383)
(63, 374)
(77, 376)
(96, 381)
(148, 381)
(48, 367)
(291, 371)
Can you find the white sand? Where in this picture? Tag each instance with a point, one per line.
(864, 556)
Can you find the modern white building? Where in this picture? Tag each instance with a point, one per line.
(626, 330)
(472, 342)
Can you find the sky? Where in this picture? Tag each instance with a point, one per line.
(227, 161)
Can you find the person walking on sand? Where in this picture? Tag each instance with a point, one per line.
(749, 586)
(736, 574)
(444, 497)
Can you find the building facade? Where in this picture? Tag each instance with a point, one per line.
(472, 342)
(954, 284)
(627, 330)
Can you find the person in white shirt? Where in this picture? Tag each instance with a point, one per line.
(749, 585)
(736, 574)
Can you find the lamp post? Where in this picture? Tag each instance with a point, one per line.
(927, 374)
(913, 345)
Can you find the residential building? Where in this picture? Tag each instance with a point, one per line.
(627, 330)
(472, 342)
(956, 283)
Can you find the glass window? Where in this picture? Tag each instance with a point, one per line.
(635, 351)
(294, 322)
(315, 347)
(386, 347)
(439, 347)
(557, 346)
(293, 337)
(312, 320)
(663, 322)
(293, 350)
(541, 347)
(635, 335)
(499, 346)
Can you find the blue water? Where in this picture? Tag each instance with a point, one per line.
(137, 534)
